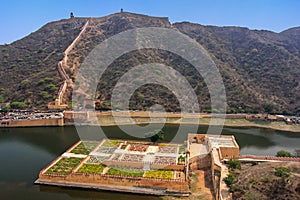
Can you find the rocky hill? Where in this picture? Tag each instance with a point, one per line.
(260, 69)
(267, 181)
(28, 67)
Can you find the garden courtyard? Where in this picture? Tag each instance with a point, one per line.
(121, 163)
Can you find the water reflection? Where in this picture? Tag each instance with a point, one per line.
(76, 193)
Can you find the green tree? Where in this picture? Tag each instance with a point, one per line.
(268, 107)
(233, 110)
(234, 164)
(229, 180)
(298, 111)
(160, 135)
(18, 105)
(5, 109)
(1, 99)
(102, 105)
(287, 112)
(283, 154)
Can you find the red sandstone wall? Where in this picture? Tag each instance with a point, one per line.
(199, 162)
(229, 152)
(163, 184)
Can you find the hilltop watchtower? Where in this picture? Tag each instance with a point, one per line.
(71, 15)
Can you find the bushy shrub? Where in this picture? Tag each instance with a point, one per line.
(234, 164)
(283, 154)
(18, 105)
(1, 99)
(229, 180)
(282, 172)
(51, 87)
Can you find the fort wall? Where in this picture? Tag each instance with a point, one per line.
(178, 186)
(33, 123)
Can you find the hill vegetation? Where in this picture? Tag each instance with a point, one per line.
(260, 69)
(265, 181)
(28, 67)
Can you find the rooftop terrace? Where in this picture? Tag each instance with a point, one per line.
(221, 141)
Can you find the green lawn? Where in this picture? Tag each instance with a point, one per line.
(110, 143)
(64, 166)
(182, 149)
(125, 172)
(85, 147)
(91, 168)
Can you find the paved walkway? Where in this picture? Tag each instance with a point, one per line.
(72, 155)
(268, 158)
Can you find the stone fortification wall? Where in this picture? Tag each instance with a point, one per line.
(180, 186)
(33, 123)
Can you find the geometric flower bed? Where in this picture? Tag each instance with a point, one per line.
(138, 147)
(96, 159)
(165, 160)
(167, 150)
(112, 164)
(64, 166)
(91, 168)
(165, 174)
(182, 149)
(111, 143)
(125, 172)
(117, 164)
(85, 147)
(135, 154)
(133, 158)
(106, 150)
(116, 157)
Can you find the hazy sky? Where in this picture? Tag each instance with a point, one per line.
(21, 17)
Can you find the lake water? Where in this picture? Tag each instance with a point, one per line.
(25, 151)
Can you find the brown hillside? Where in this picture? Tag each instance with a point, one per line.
(258, 67)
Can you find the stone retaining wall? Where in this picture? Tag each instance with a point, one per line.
(34, 123)
(107, 180)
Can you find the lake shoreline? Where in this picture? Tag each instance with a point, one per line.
(229, 123)
(107, 119)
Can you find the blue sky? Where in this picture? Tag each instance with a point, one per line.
(21, 17)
